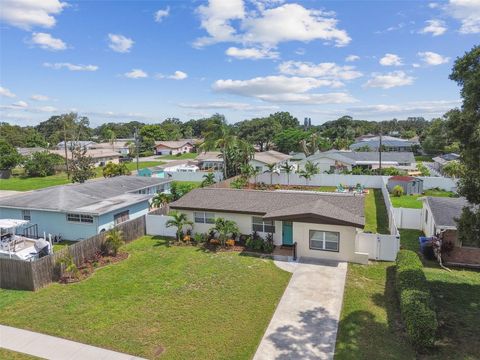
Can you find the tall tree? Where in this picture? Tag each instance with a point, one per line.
(81, 166)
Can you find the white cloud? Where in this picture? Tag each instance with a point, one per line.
(177, 75)
(321, 70)
(433, 5)
(39, 97)
(268, 26)
(389, 80)
(47, 42)
(136, 74)
(251, 53)
(431, 58)
(26, 14)
(20, 104)
(434, 27)
(467, 12)
(228, 105)
(411, 108)
(283, 89)
(120, 43)
(351, 58)
(47, 108)
(71, 67)
(5, 92)
(161, 14)
(391, 60)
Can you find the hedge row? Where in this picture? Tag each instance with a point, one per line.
(416, 303)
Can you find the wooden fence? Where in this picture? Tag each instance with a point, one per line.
(25, 275)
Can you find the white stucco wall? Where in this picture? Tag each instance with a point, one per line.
(428, 224)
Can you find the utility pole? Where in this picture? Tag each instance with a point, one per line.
(380, 152)
(65, 146)
(136, 146)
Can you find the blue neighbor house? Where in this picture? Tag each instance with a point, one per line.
(78, 211)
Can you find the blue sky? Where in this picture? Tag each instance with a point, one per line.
(148, 60)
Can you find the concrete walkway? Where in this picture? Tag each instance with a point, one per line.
(49, 347)
(304, 325)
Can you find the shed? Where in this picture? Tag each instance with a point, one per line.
(411, 185)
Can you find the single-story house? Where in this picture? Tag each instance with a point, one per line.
(262, 159)
(440, 161)
(322, 225)
(122, 146)
(29, 151)
(389, 143)
(174, 147)
(439, 216)
(100, 156)
(410, 185)
(337, 161)
(210, 160)
(83, 144)
(173, 166)
(79, 211)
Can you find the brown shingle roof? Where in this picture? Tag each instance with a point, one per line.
(336, 208)
(271, 157)
(173, 144)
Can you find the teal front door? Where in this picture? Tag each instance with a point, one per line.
(287, 233)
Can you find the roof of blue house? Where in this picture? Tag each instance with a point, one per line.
(93, 197)
(359, 157)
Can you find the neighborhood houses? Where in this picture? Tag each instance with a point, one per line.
(249, 180)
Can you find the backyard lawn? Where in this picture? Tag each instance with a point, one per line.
(185, 156)
(12, 355)
(413, 201)
(34, 183)
(173, 302)
(370, 324)
(376, 217)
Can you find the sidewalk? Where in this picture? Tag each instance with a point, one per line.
(53, 348)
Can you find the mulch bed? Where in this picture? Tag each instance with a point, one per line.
(89, 267)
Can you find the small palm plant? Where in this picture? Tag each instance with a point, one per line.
(179, 220)
(208, 179)
(271, 170)
(161, 199)
(288, 169)
(225, 228)
(113, 241)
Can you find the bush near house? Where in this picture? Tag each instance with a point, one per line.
(416, 303)
(397, 191)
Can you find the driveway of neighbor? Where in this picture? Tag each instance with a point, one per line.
(54, 348)
(304, 325)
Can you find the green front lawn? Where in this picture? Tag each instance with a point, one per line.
(376, 217)
(12, 355)
(185, 156)
(173, 302)
(35, 183)
(413, 201)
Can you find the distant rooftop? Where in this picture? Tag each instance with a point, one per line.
(270, 157)
(446, 210)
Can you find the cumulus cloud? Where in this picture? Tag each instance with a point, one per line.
(321, 70)
(71, 67)
(228, 105)
(434, 27)
(283, 89)
(251, 53)
(47, 42)
(431, 58)
(39, 97)
(5, 92)
(177, 75)
(467, 12)
(268, 26)
(136, 74)
(120, 43)
(389, 80)
(20, 104)
(391, 60)
(423, 107)
(352, 58)
(161, 14)
(26, 14)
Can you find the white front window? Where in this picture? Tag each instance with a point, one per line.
(202, 217)
(81, 218)
(324, 240)
(261, 225)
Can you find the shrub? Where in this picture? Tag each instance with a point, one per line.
(230, 242)
(416, 304)
(397, 191)
(254, 242)
(113, 241)
(268, 244)
(199, 238)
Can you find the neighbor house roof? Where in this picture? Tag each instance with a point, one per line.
(446, 210)
(270, 157)
(387, 141)
(92, 196)
(209, 156)
(119, 143)
(332, 208)
(446, 158)
(29, 151)
(174, 144)
(363, 157)
(94, 153)
(403, 178)
(80, 143)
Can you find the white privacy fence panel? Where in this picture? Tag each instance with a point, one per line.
(408, 218)
(377, 246)
(392, 225)
(156, 225)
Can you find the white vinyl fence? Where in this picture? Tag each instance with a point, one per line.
(191, 176)
(408, 218)
(156, 226)
(377, 246)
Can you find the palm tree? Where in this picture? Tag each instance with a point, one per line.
(161, 200)
(112, 137)
(288, 169)
(113, 241)
(311, 168)
(271, 169)
(179, 220)
(224, 228)
(208, 179)
(305, 174)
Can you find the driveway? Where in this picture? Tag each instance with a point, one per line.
(304, 325)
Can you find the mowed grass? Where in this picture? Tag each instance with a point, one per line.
(376, 217)
(185, 156)
(13, 355)
(414, 202)
(35, 183)
(168, 302)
